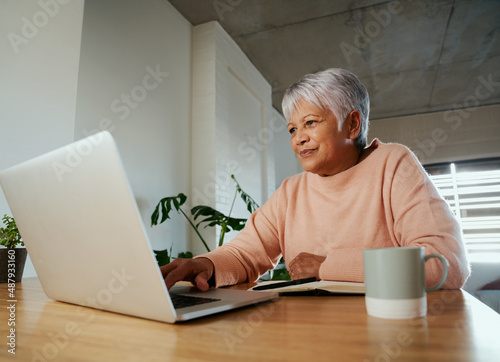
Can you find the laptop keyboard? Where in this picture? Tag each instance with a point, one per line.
(182, 301)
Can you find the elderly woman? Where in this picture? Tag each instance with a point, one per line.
(351, 197)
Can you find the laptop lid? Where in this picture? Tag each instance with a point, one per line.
(82, 229)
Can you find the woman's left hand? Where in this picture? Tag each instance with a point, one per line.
(305, 265)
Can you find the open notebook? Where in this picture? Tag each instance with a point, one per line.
(321, 287)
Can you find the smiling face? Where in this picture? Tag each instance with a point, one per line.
(321, 147)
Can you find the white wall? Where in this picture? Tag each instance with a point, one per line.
(234, 128)
(231, 102)
(69, 75)
(286, 163)
(135, 80)
(40, 48)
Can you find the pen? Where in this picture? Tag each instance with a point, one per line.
(285, 284)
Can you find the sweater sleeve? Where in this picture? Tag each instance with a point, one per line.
(422, 218)
(253, 252)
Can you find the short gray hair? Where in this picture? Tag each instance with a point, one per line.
(335, 89)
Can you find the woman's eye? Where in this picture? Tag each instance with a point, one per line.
(292, 130)
(310, 123)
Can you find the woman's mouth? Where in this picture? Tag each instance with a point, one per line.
(307, 152)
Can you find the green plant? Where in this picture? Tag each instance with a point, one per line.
(202, 215)
(164, 257)
(9, 234)
(278, 273)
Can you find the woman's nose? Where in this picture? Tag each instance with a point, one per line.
(301, 137)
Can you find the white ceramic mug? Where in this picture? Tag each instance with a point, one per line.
(395, 281)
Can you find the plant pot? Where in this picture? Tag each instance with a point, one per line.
(12, 264)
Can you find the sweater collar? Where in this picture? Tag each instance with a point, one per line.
(344, 179)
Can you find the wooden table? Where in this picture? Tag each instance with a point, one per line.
(457, 328)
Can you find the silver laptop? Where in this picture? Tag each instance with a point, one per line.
(83, 232)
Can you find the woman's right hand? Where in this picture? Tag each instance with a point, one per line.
(197, 271)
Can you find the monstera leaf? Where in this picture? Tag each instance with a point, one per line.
(165, 206)
(212, 217)
(251, 204)
(163, 257)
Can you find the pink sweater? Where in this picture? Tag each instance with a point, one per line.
(386, 200)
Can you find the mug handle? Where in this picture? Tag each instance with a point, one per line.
(445, 271)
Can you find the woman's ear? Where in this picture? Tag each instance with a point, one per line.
(354, 124)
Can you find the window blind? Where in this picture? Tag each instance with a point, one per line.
(474, 197)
